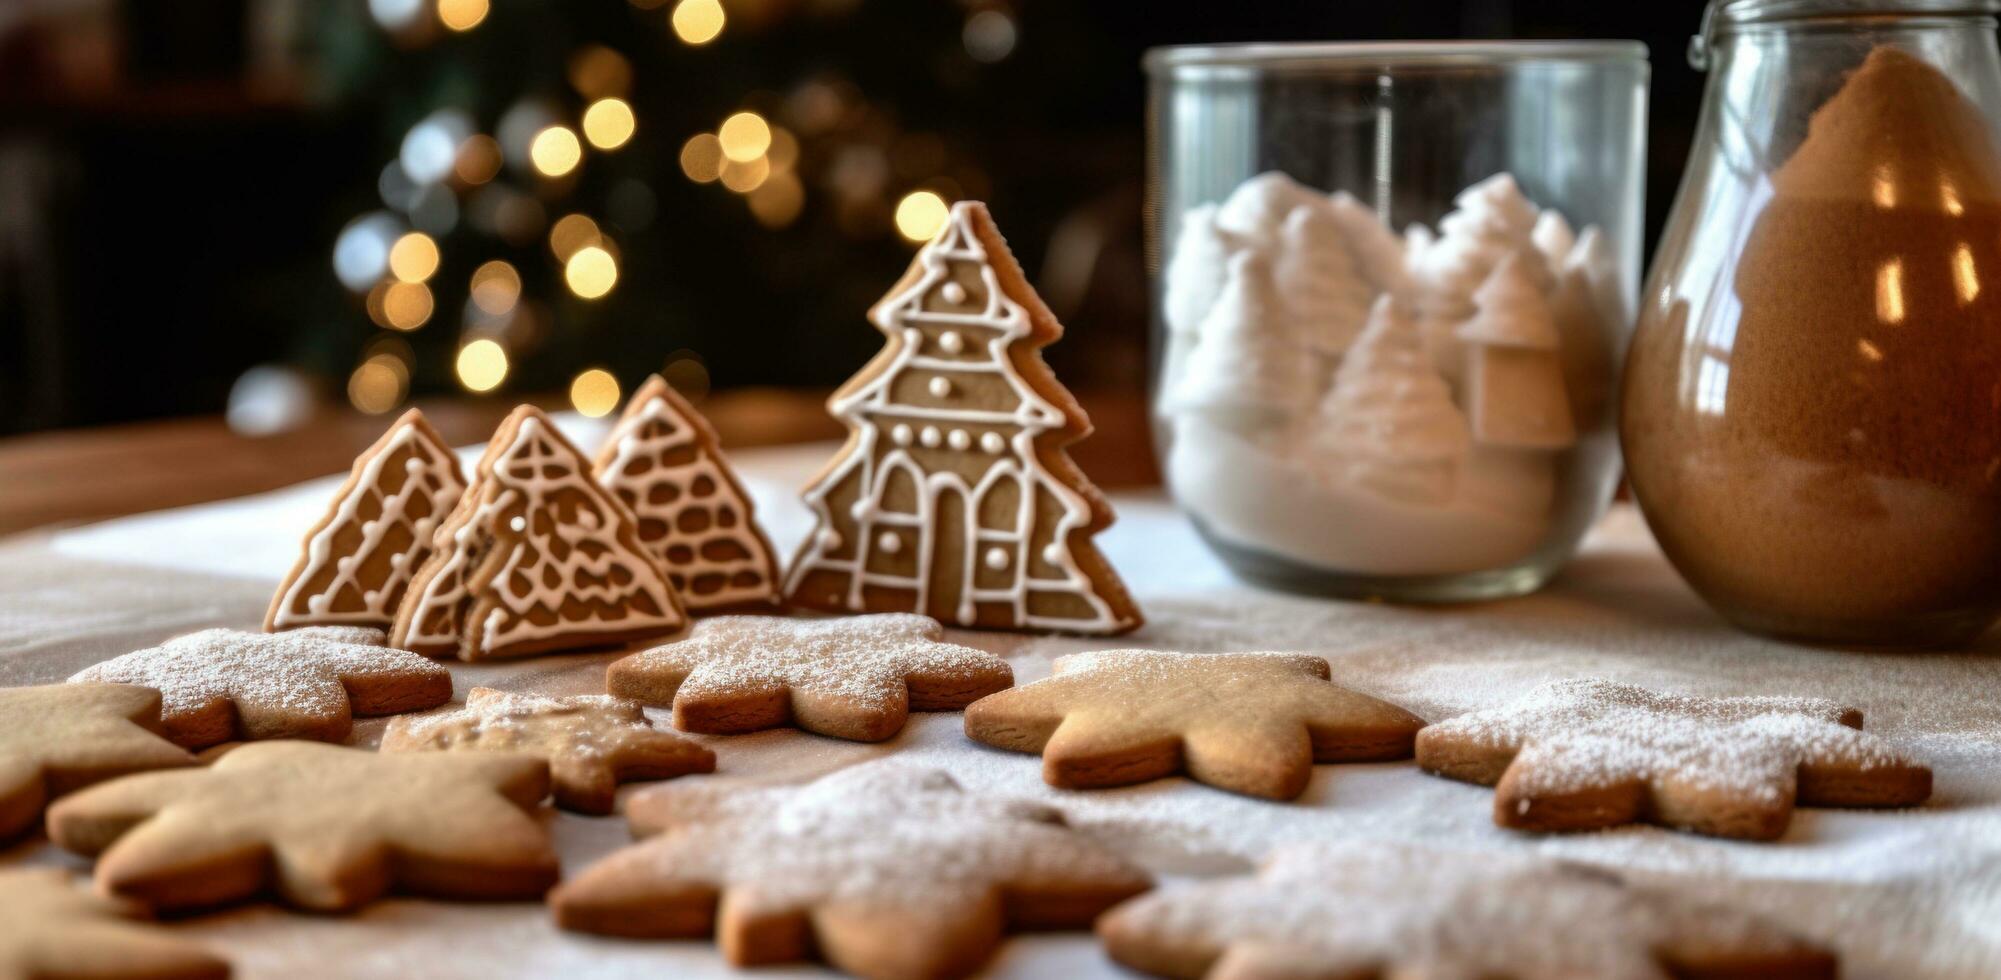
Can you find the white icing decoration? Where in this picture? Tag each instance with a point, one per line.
(939, 387)
(517, 524)
(960, 440)
(888, 543)
(950, 342)
(930, 437)
(830, 540)
(993, 442)
(997, 559)
(900, 434)
(953, 293)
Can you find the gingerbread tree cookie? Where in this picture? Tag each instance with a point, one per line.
(665, 462)
(1253, 723)
(324, 827)
(218, 685)
(856, 678)
(1587, 754)
(592, 742)
(58, 738)
(882, 870)
(359, 558)
(51, 929)
(954, 497)
(537, 557)
(1374, 909)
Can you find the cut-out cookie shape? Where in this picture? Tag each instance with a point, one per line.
(323, 827)
(954, 496)
(1253, 723)
(1584, 754)
(359, 558)
(53, 929)
(536, 558)
(1366, 910)
(58, 738)
(218, 685)
(882, 870)
(592, 742)
(855, 678)
(664, 461)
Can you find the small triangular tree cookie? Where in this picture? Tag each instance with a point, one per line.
(358, 559)
(664, 461)
(537, 557)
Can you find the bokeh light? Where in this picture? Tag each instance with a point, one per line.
(479, 160)
(698, 21)
(570, 233)
(414, 257)
(702, 158)
(555, 151)
(406, 305)
(462, 15)
(745, 136)
(482, 365)
(496, 287)
(746, 177)
(989, 35)
(687, 374)
(784, 150)
(431, 147)
(777, 202)
(598, 72)
(361, 250)
(608, 123)
(594, 393)
(378, 384)
(591, 272)
(920, 214)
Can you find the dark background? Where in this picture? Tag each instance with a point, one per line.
(173, 177)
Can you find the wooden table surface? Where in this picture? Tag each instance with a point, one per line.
(78, 475)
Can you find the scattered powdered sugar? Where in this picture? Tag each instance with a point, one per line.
(296, 670)
(863, 659)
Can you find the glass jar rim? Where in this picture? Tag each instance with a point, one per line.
(1732, 13)
(1390, 54)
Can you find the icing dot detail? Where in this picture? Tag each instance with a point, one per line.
(930, 437)
(900, 434)
(1052, 553)
(888, 543)
(997, 559)
(993, 443)
(953, 293)
(830, 540)
(518, 523)
(939, 387)
(950, 342)
(960, 439)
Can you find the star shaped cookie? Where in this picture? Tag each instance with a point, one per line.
(593, 742)
(50, 928)
(58, 738)
(884, 870)
(1252, 723)
(1371, 909)
(218, 685)
(323, 827)
(1584, 754)
(856, 678)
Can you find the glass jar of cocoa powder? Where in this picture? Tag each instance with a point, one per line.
(1812, 411)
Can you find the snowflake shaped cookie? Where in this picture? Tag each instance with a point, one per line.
(50, 927)
(855, 678)
(218, 685)
(1585, 754)
(57, 738)
(884, 870)
(592, 742)
(1254, 723)
(1372, 909)
(324, 827)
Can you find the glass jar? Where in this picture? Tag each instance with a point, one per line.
(1812, 416)
(1392, 285)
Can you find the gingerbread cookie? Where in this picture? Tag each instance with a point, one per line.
(954, 497)
(58, 738)
(323, 827)
(1252, 723)
(592, 742)
(537, 557)
(358, 559)
(1374, 909)
(882, 870)
(52, 929)
(665, 462)
(218, 685)
(1588, 754)
(855, 678)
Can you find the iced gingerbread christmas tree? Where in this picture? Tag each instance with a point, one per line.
(664, 462)
(953, 496)
(537, 557)
(1389, 423)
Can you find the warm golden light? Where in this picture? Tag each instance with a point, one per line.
(784, 150)
(572, 232)
(406, 305)
(1868, 350)
(555, 151)
(462, 15)
(414, 257)
(698, 21)
(597, 72)
(482, 365)
(594, 393)
(591, 272)
(920, 214)
(702, 158)
(746, 177)
(479, 159)
(777, 203)
(745, 136)
(1885, 187)
(1949, 196)
(1890, 292)
(496, 287)
(608, 123)
(1964, 276)
(378, 384)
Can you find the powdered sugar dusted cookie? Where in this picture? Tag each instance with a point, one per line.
(883, 870)
(359, 558)
(665, 462)
(537, 557)
(592, 742)
(52, 929)
(856, 678)
(218, 685)
(1254, 723)
(953, 496)
(324, 827)
(1373, 909)
(1586, 754)
(57, 738)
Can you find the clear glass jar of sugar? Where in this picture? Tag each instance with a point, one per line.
(1392, 287)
